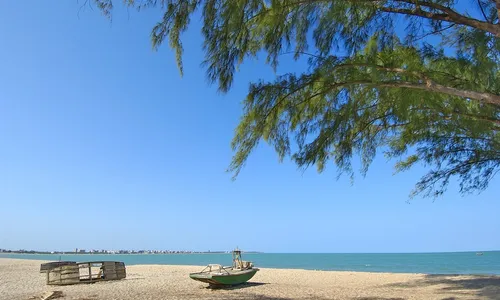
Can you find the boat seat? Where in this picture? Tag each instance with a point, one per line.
(246, 264)
(215, 267)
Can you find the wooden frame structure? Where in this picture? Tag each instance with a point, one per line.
(66, 273)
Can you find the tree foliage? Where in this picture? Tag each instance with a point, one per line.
(420, 80)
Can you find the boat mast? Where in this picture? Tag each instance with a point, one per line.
(237, 258)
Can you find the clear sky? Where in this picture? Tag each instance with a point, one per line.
(103, 145)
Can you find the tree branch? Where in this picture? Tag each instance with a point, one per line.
(429, 86)
(447, 17)
(434, 87)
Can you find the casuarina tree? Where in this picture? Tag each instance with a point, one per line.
(417, 80)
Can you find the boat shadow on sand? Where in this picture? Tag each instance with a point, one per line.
(484, 286)
(236, 286)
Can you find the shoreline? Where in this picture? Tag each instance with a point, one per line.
(357, 268)
(21, 279)
(267, 268)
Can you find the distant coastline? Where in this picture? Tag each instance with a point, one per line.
(116, 252)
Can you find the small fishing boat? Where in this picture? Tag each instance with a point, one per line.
(216, 275)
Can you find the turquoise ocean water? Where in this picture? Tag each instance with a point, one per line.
(430, 263)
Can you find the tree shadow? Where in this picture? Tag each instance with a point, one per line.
(479, 285)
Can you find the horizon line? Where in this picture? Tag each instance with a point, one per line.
(22, 251)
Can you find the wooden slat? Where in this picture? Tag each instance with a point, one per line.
(110, 276)
(47, 266)
(64, 275)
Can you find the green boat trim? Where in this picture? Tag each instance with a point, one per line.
(217, 275)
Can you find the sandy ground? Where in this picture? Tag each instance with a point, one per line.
(20, 279)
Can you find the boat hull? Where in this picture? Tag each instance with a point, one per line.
(233, 278)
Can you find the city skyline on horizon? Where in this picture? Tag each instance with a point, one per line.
(158, 251)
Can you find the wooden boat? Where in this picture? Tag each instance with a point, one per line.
(217, 275)
(68, 272)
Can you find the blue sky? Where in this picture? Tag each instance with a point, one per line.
(104, 145)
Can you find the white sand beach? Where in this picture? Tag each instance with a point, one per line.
(21, 279)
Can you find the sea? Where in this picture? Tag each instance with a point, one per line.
(485, 263)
